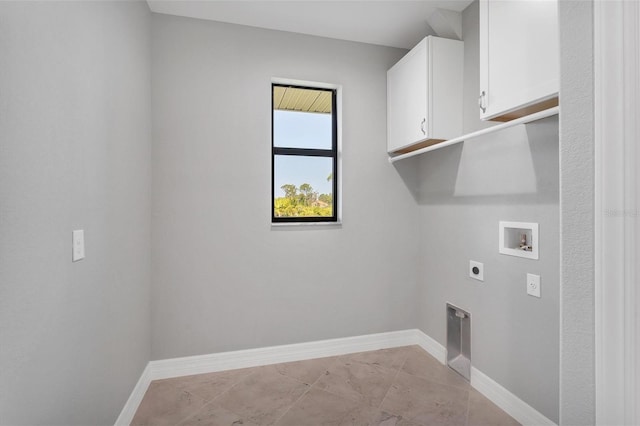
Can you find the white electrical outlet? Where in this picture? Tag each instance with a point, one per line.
(533, 285)
(78, 245)
(476, 270)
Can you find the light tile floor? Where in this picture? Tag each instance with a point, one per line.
(400, 386)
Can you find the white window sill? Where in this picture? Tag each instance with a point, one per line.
(306, 225)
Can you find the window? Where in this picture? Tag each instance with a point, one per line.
(304, 154)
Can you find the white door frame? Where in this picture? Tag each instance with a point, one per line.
(617, 255)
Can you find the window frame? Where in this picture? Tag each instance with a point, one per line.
(307, 152)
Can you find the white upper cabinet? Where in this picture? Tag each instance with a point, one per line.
(424, 95)
(519, 58)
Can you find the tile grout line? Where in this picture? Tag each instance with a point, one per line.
(305, 392)
(230, 387)
(392, 382)
(342, 396)
(216, 397)
(466, 420)
(352, 399)
(429, 380)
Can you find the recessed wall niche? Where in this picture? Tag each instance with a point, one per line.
(519, 239)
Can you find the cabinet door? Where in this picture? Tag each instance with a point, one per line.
(407, 99)
(519, 57)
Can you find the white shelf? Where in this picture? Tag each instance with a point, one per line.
(522, 120)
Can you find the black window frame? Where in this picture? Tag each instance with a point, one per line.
(307, 152)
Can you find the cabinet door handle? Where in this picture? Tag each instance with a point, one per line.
(481, 104)
(422, 123)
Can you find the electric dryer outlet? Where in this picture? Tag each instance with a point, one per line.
(476, 270)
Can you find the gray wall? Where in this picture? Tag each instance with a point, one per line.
(464, 191)
(577, 383)
(74, 153)
(223, 278)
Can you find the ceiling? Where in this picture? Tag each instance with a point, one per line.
(394, 23)
(303, 100)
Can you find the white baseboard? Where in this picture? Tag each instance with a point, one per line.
(129, 410)
(185, 366)
(200, 364)
(511, 404)
(430, 345)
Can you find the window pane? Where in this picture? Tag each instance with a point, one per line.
(295, 129)
(303, 186)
